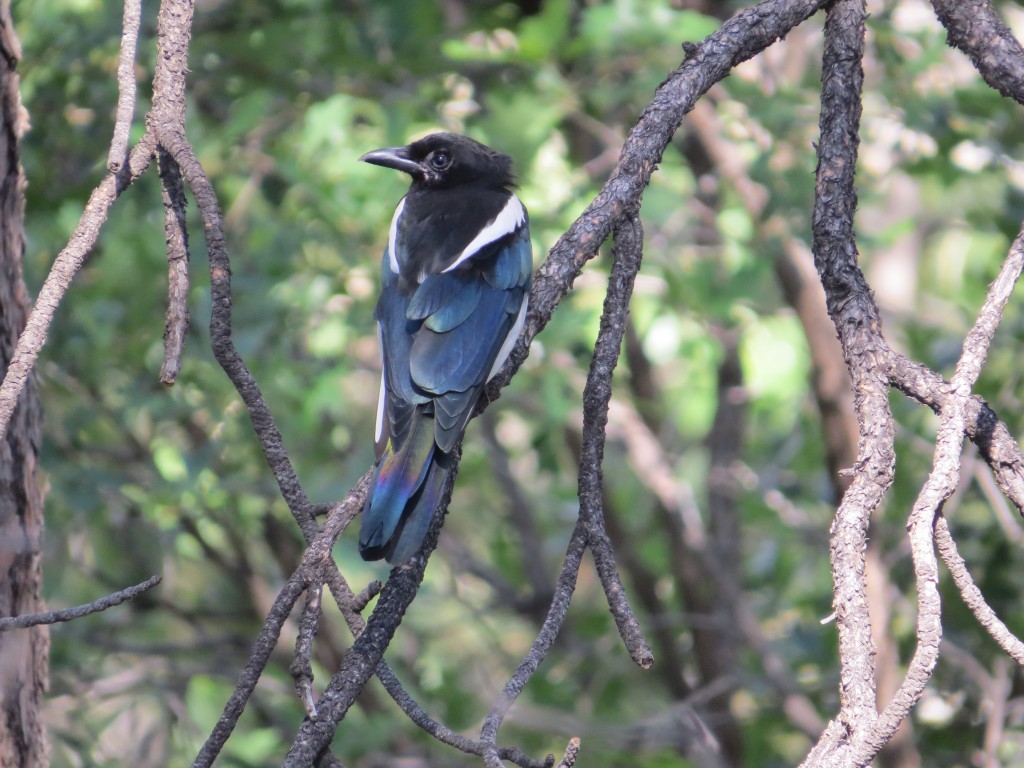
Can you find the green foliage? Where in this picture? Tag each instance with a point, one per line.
(285, 96)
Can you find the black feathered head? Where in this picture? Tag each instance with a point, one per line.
(443, 160)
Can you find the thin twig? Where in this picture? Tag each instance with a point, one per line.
(627, 254)
(70, 614)
(557, 611)
(176, 236)
(855, 315)
(126, 86)
(309, 569)
(979, 338)
(64, 268)
(589, 528)
(740, 38)
(167, 119)
(972, 596)
(301, 668)
(370, 591)
(264, 645)
(572, 751)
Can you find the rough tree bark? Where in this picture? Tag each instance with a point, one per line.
(24, 653)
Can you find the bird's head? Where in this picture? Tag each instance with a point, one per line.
(445, 160)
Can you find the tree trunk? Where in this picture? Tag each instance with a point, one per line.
(24, 653)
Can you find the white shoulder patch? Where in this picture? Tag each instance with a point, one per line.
(378, 431)
(510, 217)
(510, 340)
(393, 235)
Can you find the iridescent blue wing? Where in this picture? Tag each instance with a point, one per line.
(470, 318)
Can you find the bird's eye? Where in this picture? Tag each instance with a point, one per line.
(439, 160)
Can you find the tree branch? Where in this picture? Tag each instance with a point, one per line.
(975, 28)
(308, 573)
(125, 85)
(972, 595)
(626, 257)
(740, 38)
(64, 268)
(558, 610)
(939, 486)
(176, 235)
(855, 315)
(70, 614)
(994, 440)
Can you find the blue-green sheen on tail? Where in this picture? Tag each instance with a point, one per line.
(406, 488)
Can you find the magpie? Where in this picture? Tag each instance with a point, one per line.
(454, 284)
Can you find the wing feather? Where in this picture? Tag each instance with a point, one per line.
(445, 301)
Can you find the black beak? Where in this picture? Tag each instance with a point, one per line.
(393, 157)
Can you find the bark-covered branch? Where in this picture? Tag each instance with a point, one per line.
(64, 268)
(125, 85)
(70, 614)
(708, 62)
(855, 316)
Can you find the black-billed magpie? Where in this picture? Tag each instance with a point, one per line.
(454, 284)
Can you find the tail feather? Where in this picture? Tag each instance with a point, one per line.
(406, 488)
(420, 511)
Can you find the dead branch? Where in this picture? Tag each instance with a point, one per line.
(308, 573)
(626, 256)
(855, 316)
(301, 668)
(176, 235)
(708, 62)
(125, 85)
(972, 596)
(70, 614)
(64, 268)
(572, 751)
(976, 29)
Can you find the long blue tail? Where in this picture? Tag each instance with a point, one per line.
(406, 489)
